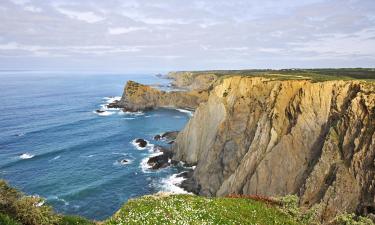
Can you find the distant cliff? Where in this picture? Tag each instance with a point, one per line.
(142, 97)
(266, 136)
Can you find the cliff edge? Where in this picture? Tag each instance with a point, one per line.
(274, 137)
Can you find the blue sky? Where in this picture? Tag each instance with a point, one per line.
(163, 35)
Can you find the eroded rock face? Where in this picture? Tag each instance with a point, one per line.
(258, 136)
(138, 97)
(192, 80)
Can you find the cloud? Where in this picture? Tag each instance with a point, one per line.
(189, 34)
(124, 30)
(86, 16)
(33, 9)
(68, 50)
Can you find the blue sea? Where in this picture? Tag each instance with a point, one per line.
(53, 144)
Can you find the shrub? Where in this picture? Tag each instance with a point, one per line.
(74, 220)
(6, 220)
(351, 219)
(289, 205)
(28, 210)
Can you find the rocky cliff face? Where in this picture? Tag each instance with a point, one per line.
(258, 136)
(142, 97)
(192, 80)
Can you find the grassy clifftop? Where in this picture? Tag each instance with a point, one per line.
(189, 209)
(315, 75)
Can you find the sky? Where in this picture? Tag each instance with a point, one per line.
(165, 35)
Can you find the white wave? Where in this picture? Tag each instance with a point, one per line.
(55, 158)
(66, 203)
(129, 118)
(171, 183)
(26, 156)
(138, 113)
(120, 162)
(190, 113)
(112, 99)
(105, 113)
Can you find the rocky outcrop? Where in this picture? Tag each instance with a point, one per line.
(192, 80)
(138, 97)
(269, 137)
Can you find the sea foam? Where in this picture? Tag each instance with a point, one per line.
(171, 183)
(190, 113)
(26, 156)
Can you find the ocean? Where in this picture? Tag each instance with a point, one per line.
(53, 144)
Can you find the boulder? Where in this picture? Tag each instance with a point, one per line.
(141, 143)
(157, 137)
(170, 135)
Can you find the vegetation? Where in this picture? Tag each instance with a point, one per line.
(189, 209)
(17, 208)
(351, 219)
(316, 75)
(6, 220)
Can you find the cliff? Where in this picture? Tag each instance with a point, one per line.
(142, 97)
(273, 137)
(193, 80)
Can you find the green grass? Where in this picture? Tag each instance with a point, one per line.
(189, 209)
(6, 220)
(74, 220)
(315, 75)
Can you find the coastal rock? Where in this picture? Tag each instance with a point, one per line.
(157, 137)
(99, 111)
(170, 135)
(114, 104)
(124, 161)
(139, 97)
(141, 143)
(272, 137)
(160, 161)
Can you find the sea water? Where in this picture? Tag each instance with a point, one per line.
(53, 143)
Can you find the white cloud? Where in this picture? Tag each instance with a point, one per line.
(69, 50)
(88, 17)
(124, 30)
(33, 9)
(20, 2)
(152, 20)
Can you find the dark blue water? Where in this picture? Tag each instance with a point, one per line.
(52, 143)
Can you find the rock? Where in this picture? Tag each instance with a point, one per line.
(157, 137)
(139, 97)
(170, 135)
(269, 137)
(124, 161)
(186, 174)
(162, 160)
(114, 104)
(99, 111)
(141, 143)
(158, 162)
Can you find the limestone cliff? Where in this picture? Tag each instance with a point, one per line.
(269, 137)
(142, 97)
(192, 80)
